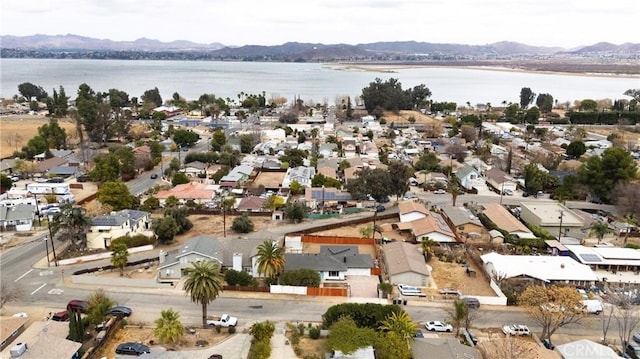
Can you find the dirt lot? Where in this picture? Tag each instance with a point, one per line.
(145, 335)
(354, 231)
(212, 225)
(454, 275)
(497, 346)
(18, 130)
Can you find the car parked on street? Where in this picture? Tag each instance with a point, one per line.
(154, 176)
(516, 329)
(437, 326)
(131, 348)
(120, 311)
(439, 191)
(77, 305)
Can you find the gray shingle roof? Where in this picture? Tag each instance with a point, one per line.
(403, 257)
(459, 216)
(464, 171)
(17, 212)
(222, 248)
(330, 258)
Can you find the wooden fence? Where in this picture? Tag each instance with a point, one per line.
(327, 292)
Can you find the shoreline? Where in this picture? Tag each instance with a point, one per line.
(393, 68)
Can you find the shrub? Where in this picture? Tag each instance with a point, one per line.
(218, 329)
(232, 330)
(314, 333)
(242, 224)
(300, 277)
(136, 241)
(233, 277)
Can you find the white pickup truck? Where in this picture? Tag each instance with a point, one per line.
(225, 320)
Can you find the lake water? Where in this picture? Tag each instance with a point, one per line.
(316, 82)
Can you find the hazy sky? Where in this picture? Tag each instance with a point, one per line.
(565, 23)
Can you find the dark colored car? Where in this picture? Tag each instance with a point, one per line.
(471, 302)
(154, 176)
(61, 316)
(78, 305)
(131, 348)
(380, 208)
(120, 311)
(215, 356)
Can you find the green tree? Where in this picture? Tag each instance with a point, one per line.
(588, 105)
(544, 102)
(242, 224)
(526, 97)
(399, 175)
(576, 149)
(428, 162)
(599, 229)
(295, 212)
(247, 141)
(99, 306)
(601, 174)
(53, 134)
(76, 326)
(241, 278)
(179, 178)
(391, 346)
(106, 168)
(31, 91)
(5, 183)
(458, 314)
(301, 277)
(273, 202)
(295, 187)
(185, 138)
(294, 157)
(150, 204)
(367, 315)
(71, 224)
(347, 337)
(203, 284)
(181, 217)
(169, 329)
(165, 229)
(375, 183)
(320, 180)
(532, 115)
(270, 259)
(117, 196)
(401, 324)
(35, 146)
(119, 256)
(152, 97)
(218, 139)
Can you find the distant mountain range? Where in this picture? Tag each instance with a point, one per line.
(75, 46)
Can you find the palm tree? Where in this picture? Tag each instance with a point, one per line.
(270, 259)
(119, 256)
(203, 284)
(600, 229)
(453, 189)
(459, 314)
(427, 248)
(71, 223)
(401, 324)
(168, 328)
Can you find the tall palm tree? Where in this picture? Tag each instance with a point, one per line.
(169, 329)
(203, 284)
(119, 256)
(600, 229)
(453, 188)
(459, 314)
(427, 248)
(270, 259)
(71, 223)
(401, 324)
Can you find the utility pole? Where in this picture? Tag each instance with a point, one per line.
(53, 248)
(560, 228)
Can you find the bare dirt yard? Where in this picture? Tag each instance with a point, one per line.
(16, 131)
(496, 345)
(197, 339)
(354, 231)
(454, 275)
(213, 225)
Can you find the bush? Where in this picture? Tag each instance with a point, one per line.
(234, 277)
(314, 333)
(242, 224)
(136, 241)
(232, 330)
(367, 315)
(300, 277)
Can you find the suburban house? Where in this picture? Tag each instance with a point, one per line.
(43, 167)
(198, 192)
(538, 270)
(405, 264)
(610, 264)
(442, 348)
(360, 353)
(500, 180)
(127, 222)
(553, 217)
(578, 350)
(469, 178)
(301, 174)
(432, 226)
(7, 165)
(17, 218)
(350, 147)
(45, 339)
(411, 210)
(63, 171)
(333, 262)
(230, 253)
(462, 221)
(315, 197)
(250, 204)
(196, 169)
(237, 177)
(504, 220)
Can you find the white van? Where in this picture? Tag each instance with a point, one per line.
(592, 306)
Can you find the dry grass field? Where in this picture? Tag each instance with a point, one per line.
(16, 131)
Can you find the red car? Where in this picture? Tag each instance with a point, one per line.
(78, 306)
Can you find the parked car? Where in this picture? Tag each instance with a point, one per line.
(419, 334)
(437, 326)
(380, 208)
(62, 316)
(120, 311)
(471, 302)
(439, 191)
(516, 329)
(78, 305)
(154, 176)
(633, 350)
(131, 348)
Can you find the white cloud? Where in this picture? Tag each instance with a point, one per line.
(566, 23)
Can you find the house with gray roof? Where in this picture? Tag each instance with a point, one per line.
(17, 218)
(230, 253)
(405, 264)
(470, 178)
(127, 222)
(302, 174)
(63, 171)
(7, 165)
(237, 177)
(333, 262)
(461, 220)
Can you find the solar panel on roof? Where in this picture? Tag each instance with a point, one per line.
(590, 258)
